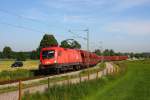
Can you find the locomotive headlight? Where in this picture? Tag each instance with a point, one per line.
(55, 61)
(47, 62)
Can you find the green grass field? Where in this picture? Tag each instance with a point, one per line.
(29, 64)
(8, 73)
(134, 84)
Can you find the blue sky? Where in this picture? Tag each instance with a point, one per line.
(122, 25)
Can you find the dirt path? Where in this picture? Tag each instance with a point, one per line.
(41, 88)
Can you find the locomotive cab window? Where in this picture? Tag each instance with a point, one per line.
(48, 54)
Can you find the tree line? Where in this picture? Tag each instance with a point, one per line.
(110, 52)
(8, 53)
(49, 40)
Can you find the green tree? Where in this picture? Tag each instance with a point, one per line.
(138, 55)
(106, 52)
(34, 55)
(111, 52)
(131, 55)
(7, 52)
(21, 56)
(98, 52)
(1, 55)
(14, 55)
(70, 43)
(48, 41)
(38, 53)
(119, 54)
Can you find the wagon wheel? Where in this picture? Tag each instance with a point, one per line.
(57, 70)
(77, 67)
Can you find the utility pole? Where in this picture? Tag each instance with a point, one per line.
(101, 49)
(87, 38)
(88, 49)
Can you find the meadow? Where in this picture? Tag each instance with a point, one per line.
(5, 65)
(132, 83)
(8, 73)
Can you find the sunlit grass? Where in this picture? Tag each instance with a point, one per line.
(9, 73)
(29, 64)
(133, 84)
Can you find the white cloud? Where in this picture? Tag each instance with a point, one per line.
(72, 18)
(35, 14)
(74, 5)
(78, 19)
(113, 5)
(121, 5)
(129, 27)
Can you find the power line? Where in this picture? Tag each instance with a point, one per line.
(77, 36)
(28, 29)
(25, 18)
(22, 17)
(21, 27)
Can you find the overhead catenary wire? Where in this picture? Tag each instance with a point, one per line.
(23, 17)
(28, 29)
(77, 36)
(26, 18)
(21, 27)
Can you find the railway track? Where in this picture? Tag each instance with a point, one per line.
(31, 78)
(23, 79)
(40, 77)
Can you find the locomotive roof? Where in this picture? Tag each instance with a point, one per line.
(56, 47)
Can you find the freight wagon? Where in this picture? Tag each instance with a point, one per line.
(62, 59)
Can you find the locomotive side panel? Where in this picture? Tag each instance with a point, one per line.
(69, 56)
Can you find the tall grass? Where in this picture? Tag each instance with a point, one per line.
(71, 91)
(17, 74)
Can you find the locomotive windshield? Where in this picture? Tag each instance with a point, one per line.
(48, 54)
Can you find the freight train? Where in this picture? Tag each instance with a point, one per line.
(62, 59)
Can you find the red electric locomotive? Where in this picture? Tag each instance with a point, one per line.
(58, 58)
